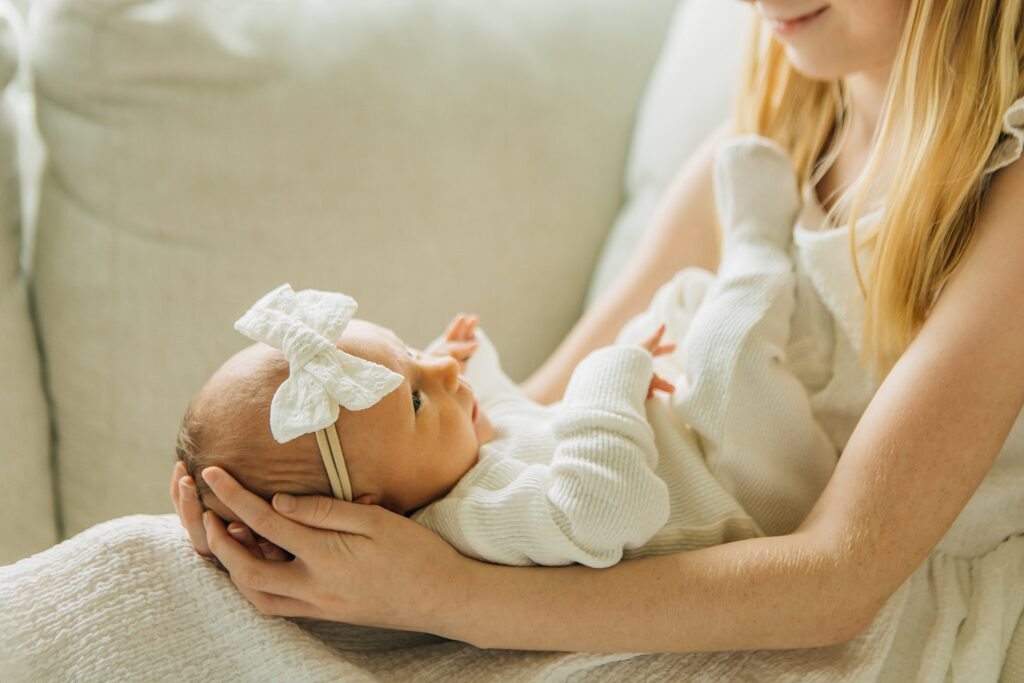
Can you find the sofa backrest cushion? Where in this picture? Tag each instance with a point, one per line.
(27, 522)
(689, 95)
(425, 157)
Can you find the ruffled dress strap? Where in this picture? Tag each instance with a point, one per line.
(1011, 142)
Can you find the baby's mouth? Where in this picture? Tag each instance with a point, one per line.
(474, 410)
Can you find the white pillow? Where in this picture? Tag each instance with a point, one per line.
(689, 95)
(27, 522)
(424, 157)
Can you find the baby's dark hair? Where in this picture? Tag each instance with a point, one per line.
(190, 451)
(227, 424)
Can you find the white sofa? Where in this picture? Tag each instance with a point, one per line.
(425, 156)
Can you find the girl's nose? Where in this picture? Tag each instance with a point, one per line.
(445, 369)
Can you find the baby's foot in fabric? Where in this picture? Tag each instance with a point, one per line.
(756, 190)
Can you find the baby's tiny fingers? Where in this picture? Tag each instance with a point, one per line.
(663, 350)
(467, 328)
(463, 350)
(660, 384)
(652, 342)
(452, 331)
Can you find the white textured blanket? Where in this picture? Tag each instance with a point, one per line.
(129, 600)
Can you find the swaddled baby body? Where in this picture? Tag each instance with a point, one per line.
(605, 474)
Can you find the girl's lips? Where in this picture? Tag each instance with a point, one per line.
(474, 411)
(790, 25)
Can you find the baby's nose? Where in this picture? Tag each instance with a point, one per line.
(446, 370)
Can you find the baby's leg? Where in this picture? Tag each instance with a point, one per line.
(753, 416)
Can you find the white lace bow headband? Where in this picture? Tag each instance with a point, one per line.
(306, 327)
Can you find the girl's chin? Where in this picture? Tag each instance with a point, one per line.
(813, 67)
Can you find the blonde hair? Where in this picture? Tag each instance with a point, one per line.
(958, 68)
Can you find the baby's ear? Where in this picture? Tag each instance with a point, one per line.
(368, 499)
(374, 499)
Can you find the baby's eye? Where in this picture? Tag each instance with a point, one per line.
(416, 401)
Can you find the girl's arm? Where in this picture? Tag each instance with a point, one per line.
(683, 233)
(923, 446)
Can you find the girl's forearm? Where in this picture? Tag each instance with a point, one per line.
(682, 233)
(598, 327)
(756, 594)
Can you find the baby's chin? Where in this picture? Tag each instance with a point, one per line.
(483, 428)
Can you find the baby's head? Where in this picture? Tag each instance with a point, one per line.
(406, 450)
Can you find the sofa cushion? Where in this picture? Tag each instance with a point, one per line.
(424, 157)
(27, 522)
(689, 95)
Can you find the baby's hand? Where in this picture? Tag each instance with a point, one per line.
(654, 346)
(459, 339)
(660, 384)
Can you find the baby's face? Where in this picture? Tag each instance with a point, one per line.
(415, 444)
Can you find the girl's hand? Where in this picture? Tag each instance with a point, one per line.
(355, 563)
(459, 340)
(190, 512)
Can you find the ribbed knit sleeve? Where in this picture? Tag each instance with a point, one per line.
(598, 495)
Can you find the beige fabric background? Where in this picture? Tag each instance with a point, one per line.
(424, 157)
(687, 98)
(27, 522)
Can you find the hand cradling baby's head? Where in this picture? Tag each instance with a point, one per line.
(228, 425)
(406, 450)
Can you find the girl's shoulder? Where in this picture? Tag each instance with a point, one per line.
(1002, 208)
(988, 277)
(1011, 143)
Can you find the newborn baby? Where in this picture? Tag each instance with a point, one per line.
(610, 472)
(409, 445)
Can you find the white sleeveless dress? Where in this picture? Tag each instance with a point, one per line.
(954, 618)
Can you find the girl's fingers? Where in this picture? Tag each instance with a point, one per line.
(256, 512)
(191, 513)
(272, 552)
(248, 572)
(176, 475)
(245, 537)
(330, 513)
(278, 605)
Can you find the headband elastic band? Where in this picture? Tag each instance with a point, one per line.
(334, 462)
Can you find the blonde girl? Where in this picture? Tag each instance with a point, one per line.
(903, 119)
